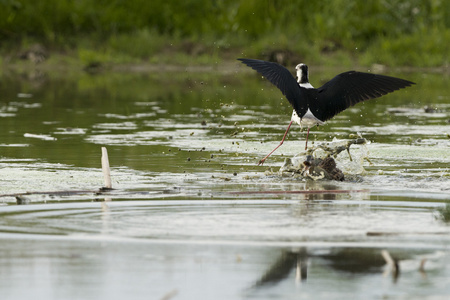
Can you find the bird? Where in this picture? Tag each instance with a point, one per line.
(315, 106)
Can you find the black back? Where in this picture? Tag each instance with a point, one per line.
(341, 92)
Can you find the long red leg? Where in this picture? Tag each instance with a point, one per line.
(306, 144)
(281, 143)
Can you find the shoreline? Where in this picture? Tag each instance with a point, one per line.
(65, 63)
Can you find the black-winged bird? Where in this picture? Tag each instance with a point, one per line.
(315, 106)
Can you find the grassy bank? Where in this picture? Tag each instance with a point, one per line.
(93, 33)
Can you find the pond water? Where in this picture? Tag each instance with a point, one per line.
(191, 215)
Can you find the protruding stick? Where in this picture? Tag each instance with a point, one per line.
(105, 168)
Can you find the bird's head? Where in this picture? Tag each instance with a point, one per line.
(302, 73)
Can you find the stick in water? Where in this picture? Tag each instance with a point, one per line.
(105, 168)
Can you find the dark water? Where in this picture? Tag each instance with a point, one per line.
(192, 216)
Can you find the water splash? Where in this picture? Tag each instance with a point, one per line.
(329, 160)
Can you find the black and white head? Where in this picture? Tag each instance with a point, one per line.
(302, 73)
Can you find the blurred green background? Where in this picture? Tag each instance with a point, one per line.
(392, 32)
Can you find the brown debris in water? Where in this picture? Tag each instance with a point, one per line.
(317, 168)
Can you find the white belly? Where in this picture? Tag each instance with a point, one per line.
(308, 120)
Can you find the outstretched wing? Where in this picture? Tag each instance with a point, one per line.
(352, 87)
(282, 79)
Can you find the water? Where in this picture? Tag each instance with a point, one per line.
(192, 216)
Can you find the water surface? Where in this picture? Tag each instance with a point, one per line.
(192, 215)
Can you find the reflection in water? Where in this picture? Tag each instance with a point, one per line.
(355, 260)
(283, 266)
(298, 260)
(339, 260)
(85, 267)
(301, 272)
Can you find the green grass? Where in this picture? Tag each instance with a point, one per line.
(419, 49)
(394, 33)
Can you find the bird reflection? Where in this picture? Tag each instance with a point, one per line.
(281, 268)
(301, 273)
(348, 260)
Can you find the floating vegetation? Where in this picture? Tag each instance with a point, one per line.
(44, 137)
